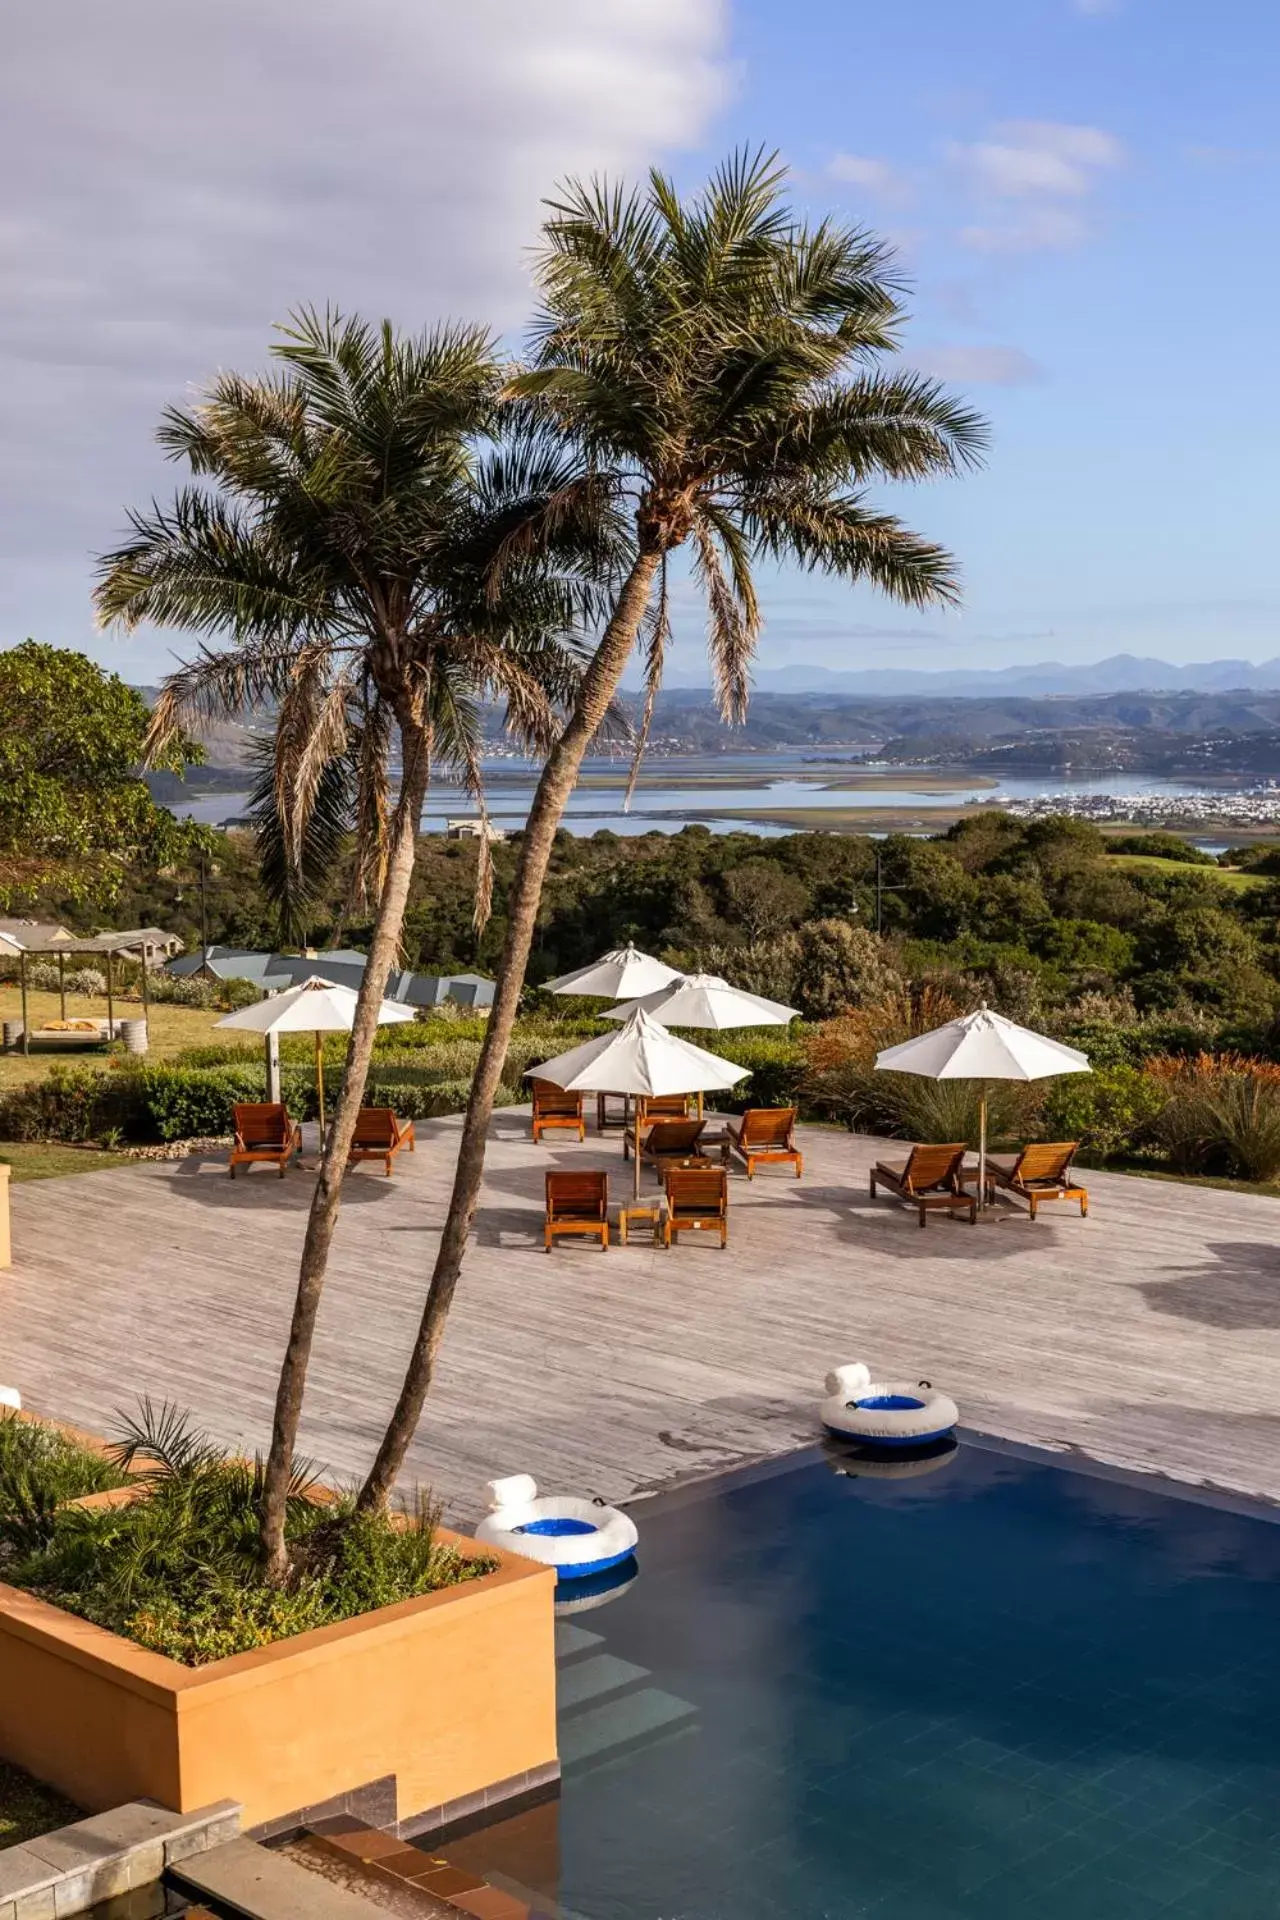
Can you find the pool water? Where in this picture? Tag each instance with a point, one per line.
(986, 1686)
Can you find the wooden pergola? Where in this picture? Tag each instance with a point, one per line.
(108, 945)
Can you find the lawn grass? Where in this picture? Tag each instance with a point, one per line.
(1228, 876)
(38, 1160)
(170, 1029)
(28, 1809)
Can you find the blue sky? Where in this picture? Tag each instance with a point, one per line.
(1086, 200)
(1083, 192)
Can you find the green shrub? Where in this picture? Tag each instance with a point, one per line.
(142, 1105)
(432, 1101)
(1114, 1111)
(179, 990)
(232, 994)
(39, 1469)
(1221, 1115)
(776, 1063)
(73, 1104)
(176, 1570)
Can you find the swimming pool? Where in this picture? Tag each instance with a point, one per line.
(1004, 1686)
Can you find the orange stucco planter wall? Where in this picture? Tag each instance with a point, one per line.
(450, 1694)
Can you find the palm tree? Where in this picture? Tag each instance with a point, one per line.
(715, 364)
(378, 577)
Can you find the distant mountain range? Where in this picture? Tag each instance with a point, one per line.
(1122, 673)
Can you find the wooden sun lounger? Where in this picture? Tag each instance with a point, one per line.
(379, 1135)
(554, 1108)
(662, 1106)
(577, 1203)
(665, 1141)
(766, 1133)
(1041, 1172)
(697, 1198)
(264, 1133)
(929, 1180)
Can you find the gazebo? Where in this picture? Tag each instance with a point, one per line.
(108, 946)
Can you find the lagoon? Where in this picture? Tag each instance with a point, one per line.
(755, 792)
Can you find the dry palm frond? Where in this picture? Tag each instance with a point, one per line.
(655, 641)
(312, 731)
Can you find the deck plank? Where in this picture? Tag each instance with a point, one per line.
(1147, 1335)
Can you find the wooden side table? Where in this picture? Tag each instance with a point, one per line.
(651, 1213)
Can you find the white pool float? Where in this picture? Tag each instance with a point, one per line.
(892, 1413)
(576, 1537)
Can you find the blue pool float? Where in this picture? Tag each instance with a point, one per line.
(579, 1538)
(891, 1413)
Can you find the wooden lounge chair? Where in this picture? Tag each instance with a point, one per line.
(1042, 1172)
(659, 1106)
(697, 1198)
(553, 1107)
(380, 1135)
(577, 1203)
(766, 1133)
(929, 1180)
(665, 1141)
(264, 1133)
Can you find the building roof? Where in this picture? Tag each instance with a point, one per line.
(30, 935)
(344, 967)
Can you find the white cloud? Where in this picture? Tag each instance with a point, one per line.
(1035, 158)
(1034, 177)
(878, 177)
(977, 366)
(1041, 229)
(173, 180)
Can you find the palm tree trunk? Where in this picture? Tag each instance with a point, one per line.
(416, 755)
(559, 775)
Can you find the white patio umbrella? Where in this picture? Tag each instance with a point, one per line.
(640, 1058)
(982, 1046)
(622, 974)
(313, 1006)
(705, 1000)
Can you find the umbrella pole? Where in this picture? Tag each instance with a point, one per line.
(982, 1148)
(320, 1081)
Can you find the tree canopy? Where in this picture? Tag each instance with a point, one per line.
(75, 814)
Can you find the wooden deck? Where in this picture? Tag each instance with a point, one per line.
(1147, 1335)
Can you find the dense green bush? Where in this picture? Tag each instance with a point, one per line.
(39, 1469)
(775, 1060)
(431, 1101)
(177, 1570)
(1114, 1111)
(180, 990)
(143, 1105)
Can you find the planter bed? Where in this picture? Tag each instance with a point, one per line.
(402, 1713)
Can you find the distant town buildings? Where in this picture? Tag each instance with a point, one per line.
(1252, 807)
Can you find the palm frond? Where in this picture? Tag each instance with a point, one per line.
(732, 627)
(656, 635)
(295, 875)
